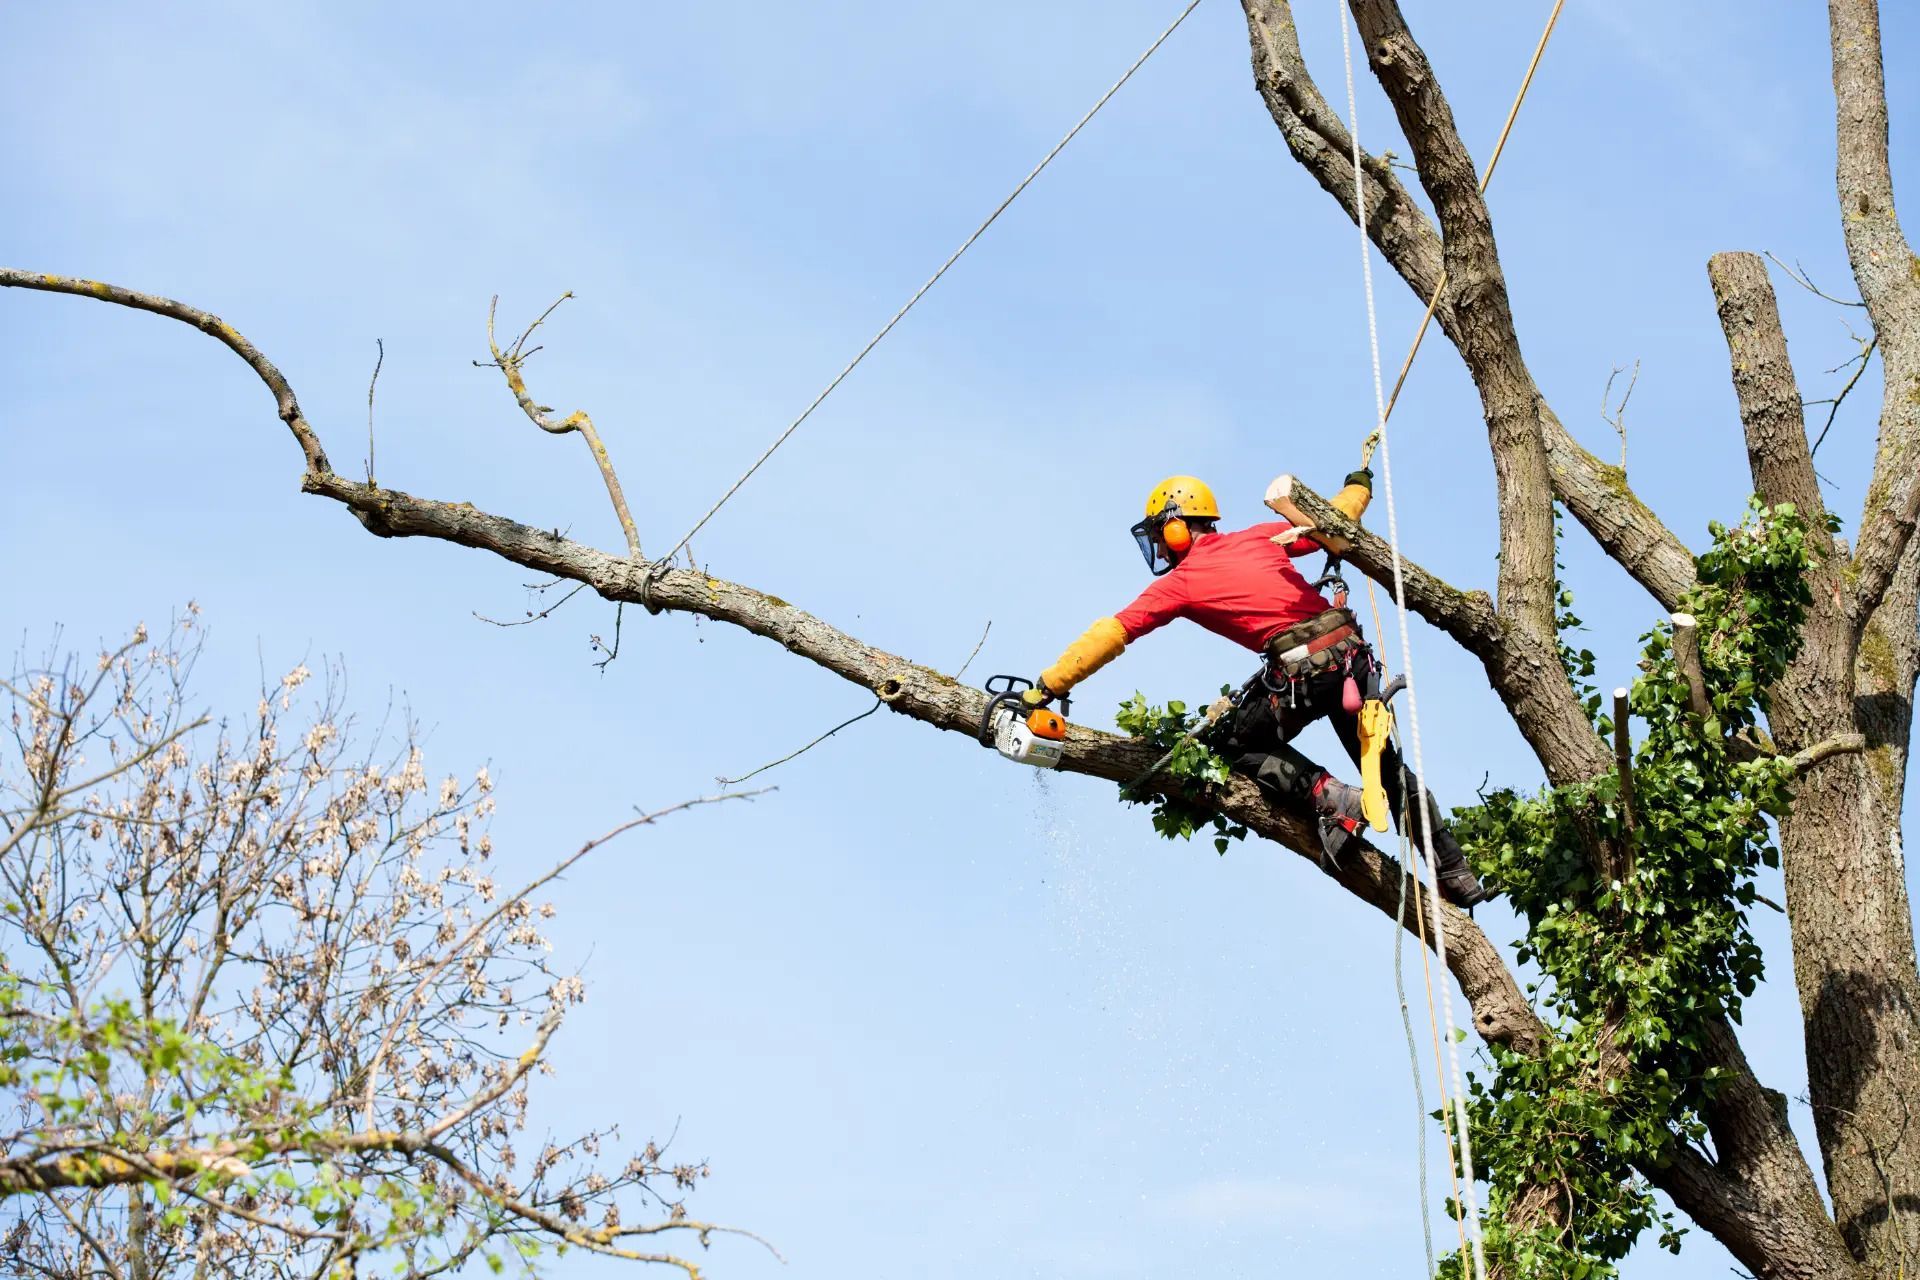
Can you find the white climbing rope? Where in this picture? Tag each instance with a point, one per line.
(1469, 1199)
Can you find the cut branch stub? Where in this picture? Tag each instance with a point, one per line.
(1686, 657)
(1279, 500)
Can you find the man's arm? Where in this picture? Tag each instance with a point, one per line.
(1104, 641)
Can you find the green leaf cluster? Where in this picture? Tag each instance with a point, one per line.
(1636, 968)
(1192, 764)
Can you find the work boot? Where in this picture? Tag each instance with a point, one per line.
(1341, 815)
(1458, 884)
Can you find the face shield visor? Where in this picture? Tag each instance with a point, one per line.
(1146, 535)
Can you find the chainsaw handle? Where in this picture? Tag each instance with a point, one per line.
(1000, 686)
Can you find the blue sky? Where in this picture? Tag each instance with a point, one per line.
(928, 1014)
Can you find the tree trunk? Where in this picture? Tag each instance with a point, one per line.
(1853, 944)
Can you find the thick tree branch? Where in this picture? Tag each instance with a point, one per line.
(1319, 140)
(1770, 411)
(1486, 337)
(1500, 1011)
(1888, 274)
(1467, 616)
(1596, 494)
(1738, 1197)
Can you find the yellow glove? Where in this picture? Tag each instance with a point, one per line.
(1037, 696)
(1100, 644)
(1352, 499)
(1376, 728)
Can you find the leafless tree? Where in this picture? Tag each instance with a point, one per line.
(264, 1010)
(1849, 688)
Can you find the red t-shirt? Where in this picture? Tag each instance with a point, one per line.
(1240, 585)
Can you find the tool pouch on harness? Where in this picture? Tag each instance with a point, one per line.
(1324, 642)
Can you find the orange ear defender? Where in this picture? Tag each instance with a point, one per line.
(1176, 535)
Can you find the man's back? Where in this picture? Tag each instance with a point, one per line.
(1240, 585)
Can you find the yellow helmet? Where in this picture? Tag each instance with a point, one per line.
(1163, 537)
(1189, 493)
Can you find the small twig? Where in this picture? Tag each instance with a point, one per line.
(509, 362)
(1393, 161)
(1617, 417)
(1864, 359)
(534, 617)
(1805, 281)
(371, 384)
(976, 652)
(729, 782)
(618, 608)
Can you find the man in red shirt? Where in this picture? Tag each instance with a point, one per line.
(1244, 586)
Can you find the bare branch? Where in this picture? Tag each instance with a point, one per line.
(509, 363)
(373, 382)
(619, 612)
(1805, 281)
(535, 617)
(1616, 415)
(1467, 616)
(730, 782)
(1859, 361)
(220, 330)
(978, 645)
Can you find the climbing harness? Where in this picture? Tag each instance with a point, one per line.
(922, 291)
(1383, 408)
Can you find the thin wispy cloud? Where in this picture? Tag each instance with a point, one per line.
(1280, 1202)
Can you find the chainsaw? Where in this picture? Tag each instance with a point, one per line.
(1026, 736)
